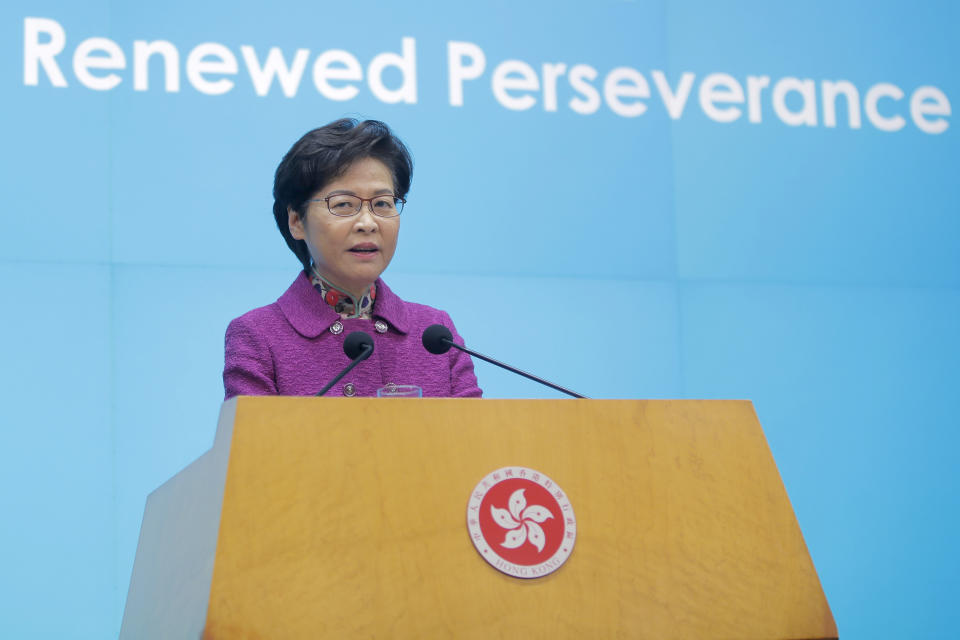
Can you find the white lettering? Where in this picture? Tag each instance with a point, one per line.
(142, 51)
(36, 53)
(262, 77)
(929, 101)
(579, 76)
(720, 88)
(624, 82)
(808, 111)
(877, 91)
(755, 86)
(516, 85)
(349, 71)
(829, 92)
(518, 76)
(458, 70)
(199, 63)
(673, 101)
(406, 63)
(83, 61)
(550, 74)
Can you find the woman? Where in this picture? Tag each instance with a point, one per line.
(338, 195)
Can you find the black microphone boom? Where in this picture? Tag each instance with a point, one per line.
(358, 346)
(437, 339)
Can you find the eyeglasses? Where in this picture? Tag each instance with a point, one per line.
(345, 205)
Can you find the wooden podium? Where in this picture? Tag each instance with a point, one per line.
(346, 518)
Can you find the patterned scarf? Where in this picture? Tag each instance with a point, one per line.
(341, 301)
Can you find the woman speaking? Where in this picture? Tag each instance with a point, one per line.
(338, 195)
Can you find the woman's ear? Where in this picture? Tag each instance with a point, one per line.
(295, 224)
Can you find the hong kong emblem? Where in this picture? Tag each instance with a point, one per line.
(521, 522)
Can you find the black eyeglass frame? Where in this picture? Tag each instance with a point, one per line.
(397, 201)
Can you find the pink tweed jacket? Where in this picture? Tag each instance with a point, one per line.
(290, 348)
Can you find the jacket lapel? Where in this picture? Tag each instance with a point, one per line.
(307, 312)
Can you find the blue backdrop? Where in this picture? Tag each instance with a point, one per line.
(671, 199)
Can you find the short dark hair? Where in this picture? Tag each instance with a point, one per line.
(324, 154)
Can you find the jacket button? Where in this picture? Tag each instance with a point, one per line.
(349, 389)
(336, 328)
(380, 326)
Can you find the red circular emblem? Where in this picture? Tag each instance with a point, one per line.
(521, 522)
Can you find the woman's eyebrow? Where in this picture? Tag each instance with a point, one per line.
(378, 192)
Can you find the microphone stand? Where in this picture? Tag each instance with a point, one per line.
(530, 376)
(365, 351)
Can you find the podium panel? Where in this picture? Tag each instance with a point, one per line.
(346, 517)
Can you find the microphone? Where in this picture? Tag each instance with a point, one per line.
(358, 346)
(437, 339)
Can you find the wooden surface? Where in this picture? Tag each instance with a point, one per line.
(345, 517)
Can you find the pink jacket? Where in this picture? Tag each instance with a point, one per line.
(288, 348)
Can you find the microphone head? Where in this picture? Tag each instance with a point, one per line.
(437, 339)
(354, 343)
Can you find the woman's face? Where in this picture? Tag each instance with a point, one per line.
(350, 252)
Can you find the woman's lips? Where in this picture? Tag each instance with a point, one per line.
(365, 250)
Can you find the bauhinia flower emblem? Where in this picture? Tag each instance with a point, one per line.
(522, 521)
